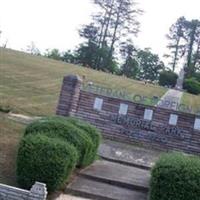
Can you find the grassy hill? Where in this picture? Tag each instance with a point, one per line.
(31, 84)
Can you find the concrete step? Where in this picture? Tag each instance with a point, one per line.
(128, 154)
(102, 191)
(118, 175)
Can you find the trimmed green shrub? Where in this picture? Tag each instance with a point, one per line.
(58, 127)
(175, 177)
(168, 78)
(192, 86)
(41, 158)
(197, 76)
(91, 131)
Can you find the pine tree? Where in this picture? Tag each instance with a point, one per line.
(177, 41)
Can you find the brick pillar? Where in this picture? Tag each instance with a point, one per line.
(69, 95)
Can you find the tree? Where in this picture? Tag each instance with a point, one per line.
(150, 65)
(196, 57)
(92, 55)
(54, 54)
(193, 37)
(115, 18)
(176, 39)
(69, 57)
(130, 67)
(32, 49)
(184, 40)
(124, 21)
(86, 54)
(168, 78)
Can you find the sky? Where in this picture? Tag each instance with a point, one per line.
(55, 23)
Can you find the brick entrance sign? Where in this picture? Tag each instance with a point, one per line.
(128, 121)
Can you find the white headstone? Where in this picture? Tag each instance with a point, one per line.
(148, 114)
(173, 119)
(197, 124)
(123, 109)
(98, 103)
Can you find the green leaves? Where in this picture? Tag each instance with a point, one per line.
(175, 177)
(52, 147)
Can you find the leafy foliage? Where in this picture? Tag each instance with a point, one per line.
(176, 39)
(90, 130)
(192, 86)
(52, 147)
(44, 159)
(175, 177)
(58, 127)
(168, 78)
(130, 67)
(184, 43)
(150, 65)
(54, 54)
(197, 76)
(115, 19)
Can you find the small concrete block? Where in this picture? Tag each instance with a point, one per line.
(123, 109)
(98, 103)
(148, 114)
(173, 119)
(197, 124)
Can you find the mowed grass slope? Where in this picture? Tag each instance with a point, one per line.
(31, 84)
(10, 134)
(193, 101)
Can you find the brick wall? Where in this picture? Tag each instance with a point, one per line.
(37, 192)
(129, 123)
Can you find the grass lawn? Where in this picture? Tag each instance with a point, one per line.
(10, 134)
(31, 84)
(191, 100)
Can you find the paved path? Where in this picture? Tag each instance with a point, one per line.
(180, 80)
(171, 99)
(24, 119)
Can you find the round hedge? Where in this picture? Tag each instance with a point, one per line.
(192, 86)
(175, 177)
(168, 78)
(41, 158)
(58, 127)
(91, 131)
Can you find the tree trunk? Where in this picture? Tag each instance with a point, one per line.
(197, 54)
(107, 24)
(115, 31)
(176, 54)
(190, 50)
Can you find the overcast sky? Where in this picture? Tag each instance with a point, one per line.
(55, 23)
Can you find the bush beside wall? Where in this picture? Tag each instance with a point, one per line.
(41, 158)
(52, 147)
(176, 177)
(57, 127)
(90, 130)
